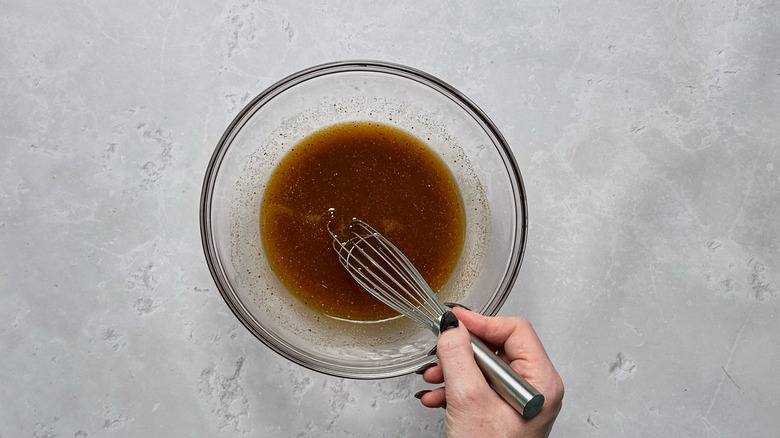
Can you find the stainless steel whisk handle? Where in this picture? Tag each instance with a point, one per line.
(384, 271)
(514, 389)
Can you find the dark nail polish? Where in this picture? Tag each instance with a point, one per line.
(427, 366)
(448, 321)
(452, 305)
(419, 394)
(433, 351)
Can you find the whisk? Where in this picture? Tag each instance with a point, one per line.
(384, 271)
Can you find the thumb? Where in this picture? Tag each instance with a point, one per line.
(462, 377)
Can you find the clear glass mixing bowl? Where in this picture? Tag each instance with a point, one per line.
(275, 121)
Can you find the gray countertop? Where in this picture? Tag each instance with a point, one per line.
(648, 134)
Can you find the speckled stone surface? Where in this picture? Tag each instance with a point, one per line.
(648, 134)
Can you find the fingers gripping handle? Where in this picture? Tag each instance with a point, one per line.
(514, 389)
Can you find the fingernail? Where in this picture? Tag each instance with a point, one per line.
(448, 321)
(419, 394)
(433, 351)
(422, 369)
(451, 305)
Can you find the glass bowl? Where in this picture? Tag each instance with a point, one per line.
(276, 120)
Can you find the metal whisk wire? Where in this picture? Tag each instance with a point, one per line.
(384, 271)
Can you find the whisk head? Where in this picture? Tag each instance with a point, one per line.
(384, 271)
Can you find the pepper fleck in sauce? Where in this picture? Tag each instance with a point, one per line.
(373, 172)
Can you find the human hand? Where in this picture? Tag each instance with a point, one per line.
(473, 409)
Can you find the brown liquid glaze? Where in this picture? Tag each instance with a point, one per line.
(371, 171)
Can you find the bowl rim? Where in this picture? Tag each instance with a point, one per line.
(268, 338)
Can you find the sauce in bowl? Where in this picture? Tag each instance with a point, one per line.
(371, 171)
